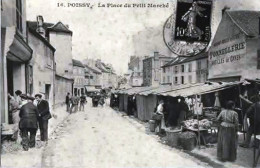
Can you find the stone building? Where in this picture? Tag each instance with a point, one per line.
(152, 69)
(42, 65)
(60, 37)
(186, 70)
(92, 78)
(15, 52)
(235, 51)
(79, 78)
(136, 66)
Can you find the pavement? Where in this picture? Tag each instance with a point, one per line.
(100, 138)
(105, 138)
(13, 155)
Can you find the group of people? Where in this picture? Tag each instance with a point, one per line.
(75, 103)
(171, 113)
(227, 118)
(29, 114)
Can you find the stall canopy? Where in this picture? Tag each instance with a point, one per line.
(199, 89)
(91, 89)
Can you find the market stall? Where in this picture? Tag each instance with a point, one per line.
(200, 124)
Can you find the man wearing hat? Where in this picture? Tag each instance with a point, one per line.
(28, 122)
(45, 115)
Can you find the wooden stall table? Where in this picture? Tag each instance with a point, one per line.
(200, 134)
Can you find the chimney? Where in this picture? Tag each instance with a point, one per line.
(40, 28)
(224, 10)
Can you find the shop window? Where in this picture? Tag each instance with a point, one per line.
(190, 67)
(199, 65)
(182, 79)
(176, 69)
(176, 80)
(19, 24)
(182, 68)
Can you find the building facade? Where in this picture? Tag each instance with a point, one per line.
(152, 69)
(60, 37)
(42, 65)
(186, 70)
(234, 54)
(136, 65)
(79, 78)
(16, 53)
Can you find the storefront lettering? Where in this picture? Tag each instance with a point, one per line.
(227, 50)
(229, 59)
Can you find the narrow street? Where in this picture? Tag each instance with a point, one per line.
(102, 137)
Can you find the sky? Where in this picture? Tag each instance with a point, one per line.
(114, 34)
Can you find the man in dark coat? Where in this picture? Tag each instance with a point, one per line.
(68, 102)
(253, 113)
(45, 115)
(28, 122)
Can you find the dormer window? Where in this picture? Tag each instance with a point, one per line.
(19, 14)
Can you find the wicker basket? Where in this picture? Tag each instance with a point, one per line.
(187, 140)
(152, 125)
(157, 116)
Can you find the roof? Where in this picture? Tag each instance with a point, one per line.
(95, 70)
(33, 25)
(199, 89)
(247, 21)
(175, 61)
(32, 29)
(181, 60)
(60, 27)
(77, 63)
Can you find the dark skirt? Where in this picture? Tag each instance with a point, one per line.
(227, 144)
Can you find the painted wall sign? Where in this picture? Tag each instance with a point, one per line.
(227, 56)
(188, 32)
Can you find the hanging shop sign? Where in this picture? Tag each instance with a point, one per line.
(188, 32)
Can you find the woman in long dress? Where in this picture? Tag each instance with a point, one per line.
(227, 137)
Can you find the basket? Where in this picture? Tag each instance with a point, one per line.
(187, 140)
(152, 125)
(172, 137)
(157, 116)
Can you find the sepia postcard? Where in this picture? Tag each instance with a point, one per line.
(130, 83)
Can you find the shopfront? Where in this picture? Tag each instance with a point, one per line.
(233, 52)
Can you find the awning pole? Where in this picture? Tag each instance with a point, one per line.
(257, 96)
(196, 103)
(242, 112)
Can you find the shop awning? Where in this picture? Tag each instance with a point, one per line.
(19, 50)
(91, 89)
(199, 89)
(140, 90)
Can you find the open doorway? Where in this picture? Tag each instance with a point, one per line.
(47, 91)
